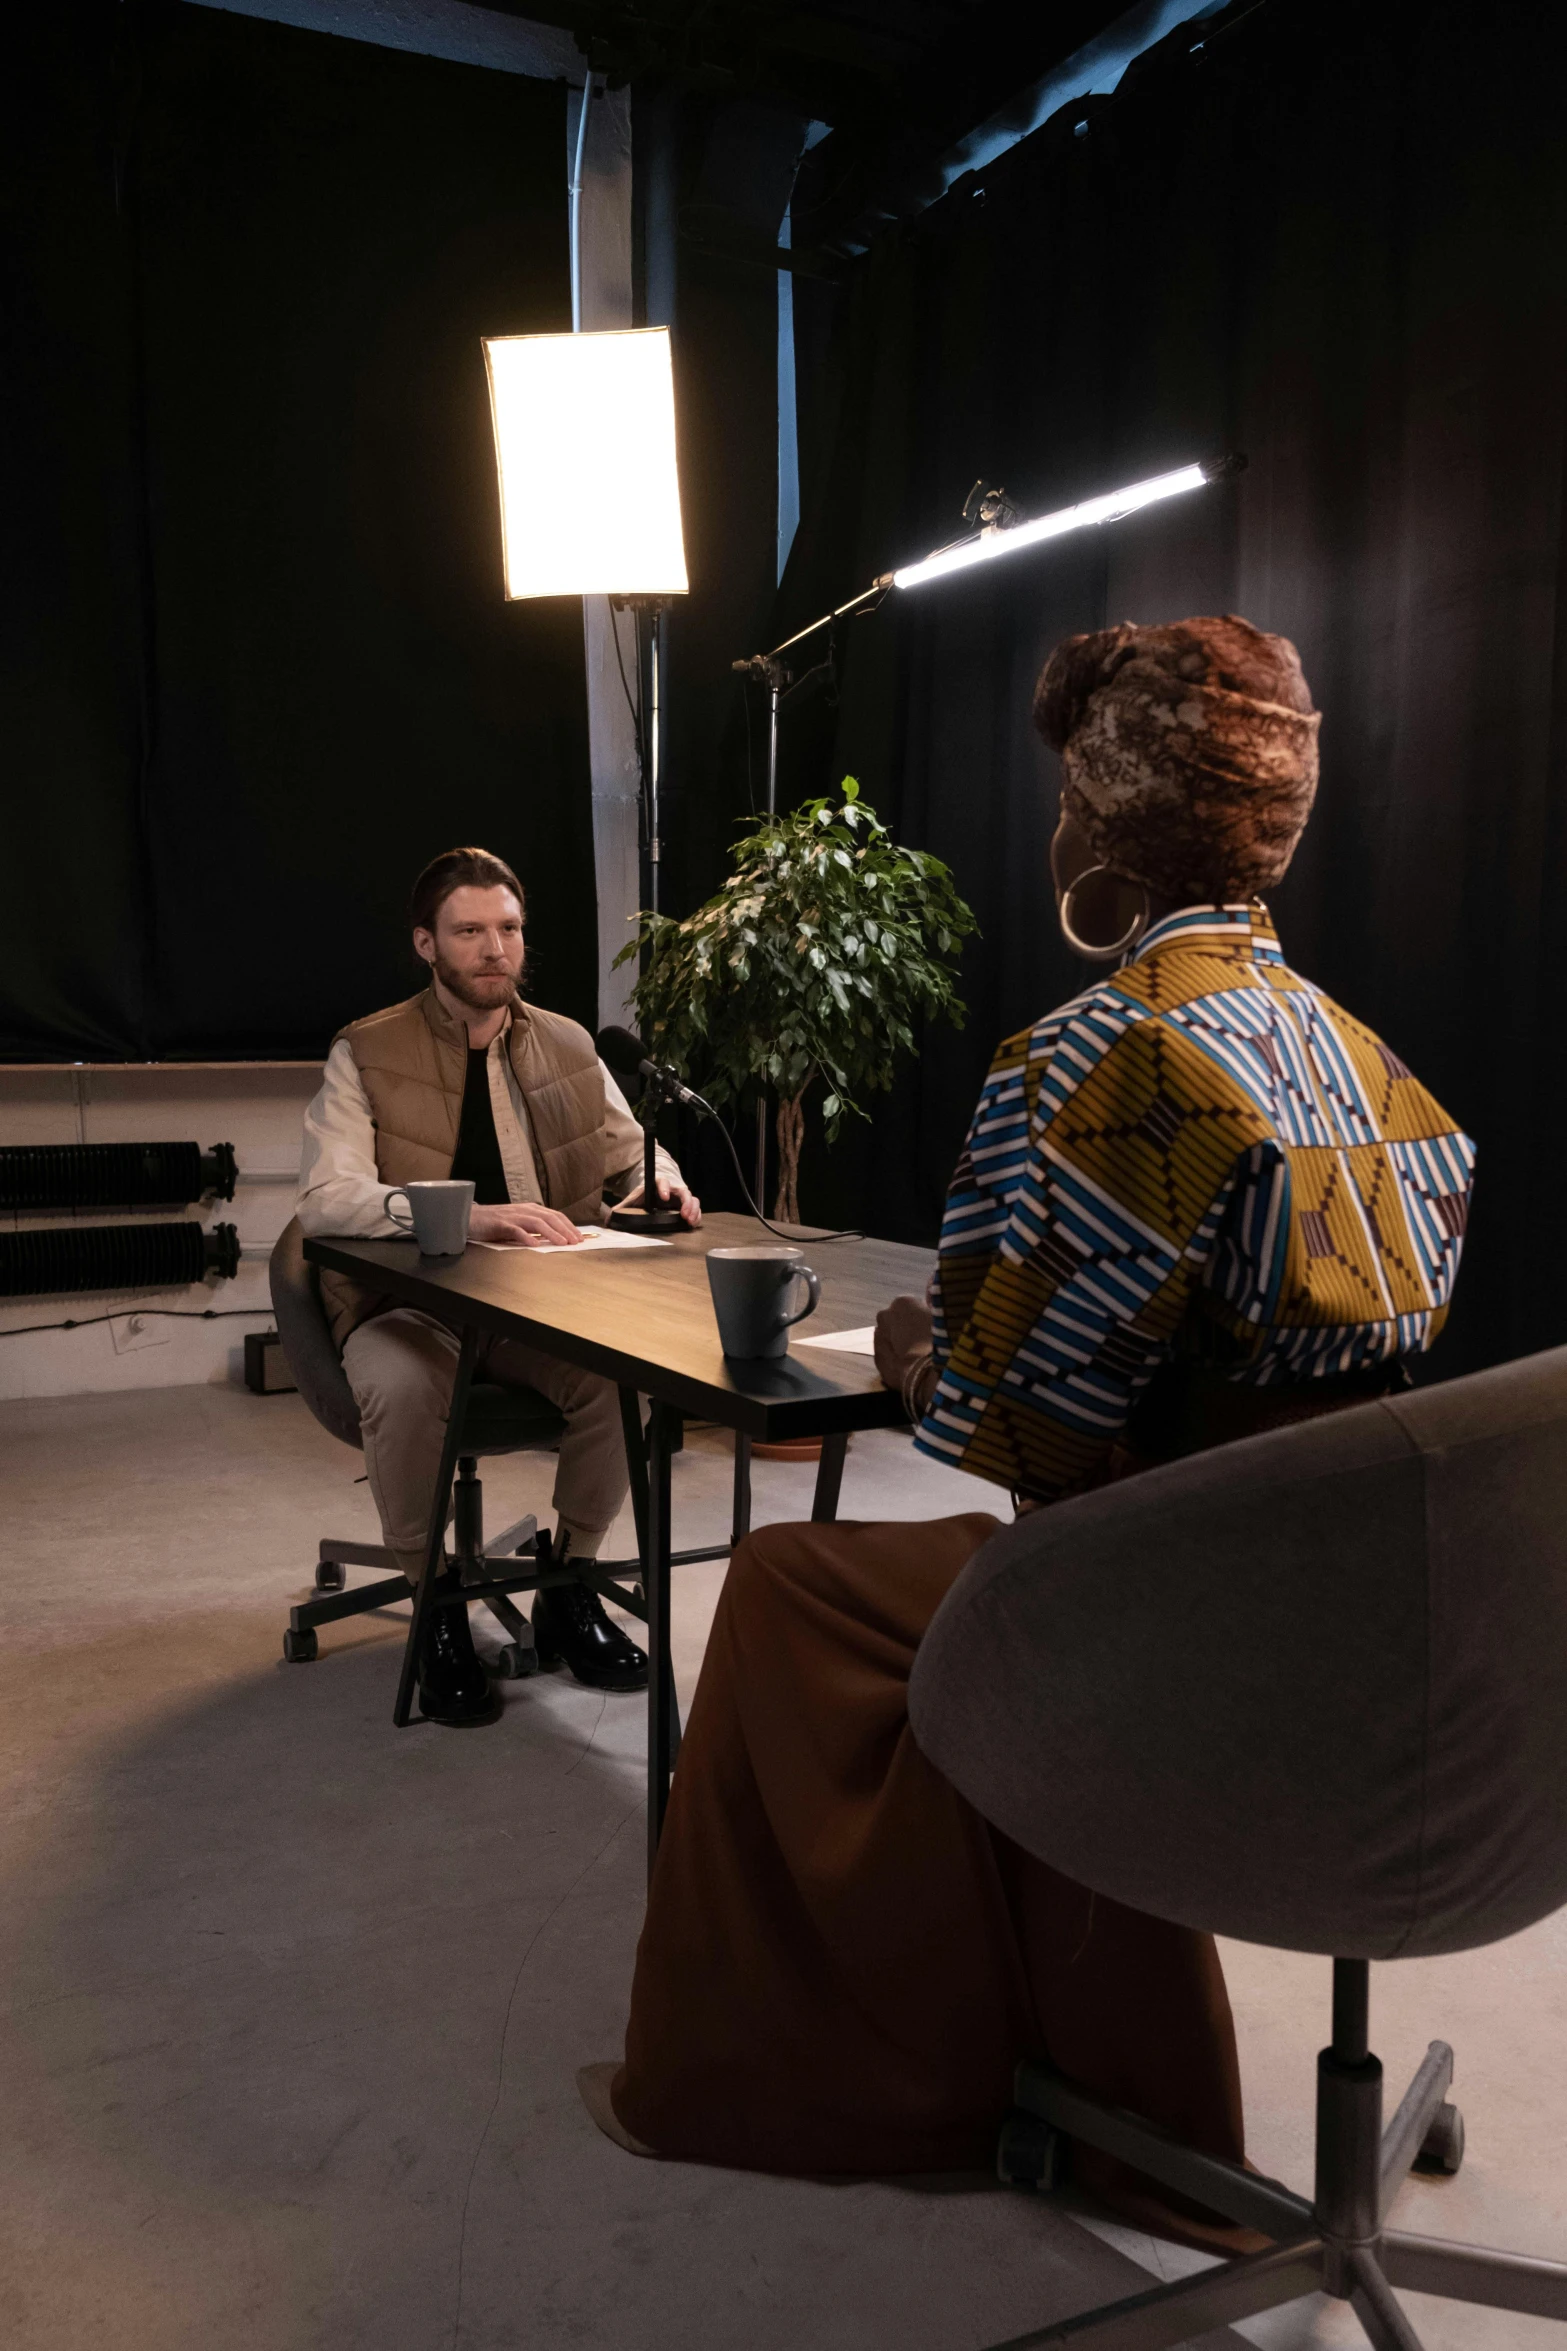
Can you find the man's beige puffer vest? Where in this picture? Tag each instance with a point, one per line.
(413, 1062)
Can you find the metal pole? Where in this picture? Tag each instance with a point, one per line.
(655, 752)
(775, 682)
(752, 666)
(740, 1524)
(574, 193)
(663, 1720)
(774, 699)
(1351, 2010)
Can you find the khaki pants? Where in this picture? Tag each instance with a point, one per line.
(401, 1366)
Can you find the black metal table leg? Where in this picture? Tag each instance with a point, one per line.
(663, 1719)
(829, 1480)
(440, 1506)
(636, 1463)
(741, 1523)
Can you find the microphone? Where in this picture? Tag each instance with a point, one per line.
(622, 1052)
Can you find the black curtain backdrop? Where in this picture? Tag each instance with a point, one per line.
(1338, 242)
(72, 676)
(264, 669)
(697, 161)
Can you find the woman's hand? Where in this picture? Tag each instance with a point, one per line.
(903, 1341)
(524, 1224)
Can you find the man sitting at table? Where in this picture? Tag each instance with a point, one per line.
(469, 1080)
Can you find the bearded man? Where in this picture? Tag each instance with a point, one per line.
(469, 1080)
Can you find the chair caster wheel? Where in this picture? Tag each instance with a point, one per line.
(515, 1662)
(1029, 2153)
(331, 1576)
(1442, 2149)
(299, 1648)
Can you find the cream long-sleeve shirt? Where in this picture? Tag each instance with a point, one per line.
(340, 1191)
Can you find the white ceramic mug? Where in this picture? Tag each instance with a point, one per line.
(437, 1215)
(750, 1289)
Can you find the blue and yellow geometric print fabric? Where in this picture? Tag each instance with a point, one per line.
(1200, 1157)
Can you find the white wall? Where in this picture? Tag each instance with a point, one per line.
(258, 1108)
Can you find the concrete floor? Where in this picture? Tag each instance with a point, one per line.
(293, 2002)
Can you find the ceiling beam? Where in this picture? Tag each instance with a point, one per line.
(809, 59)
(883, 165)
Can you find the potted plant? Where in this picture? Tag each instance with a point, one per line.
(814, 960)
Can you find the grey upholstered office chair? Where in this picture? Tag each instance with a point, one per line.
(497, 1420)
(1310, 1691)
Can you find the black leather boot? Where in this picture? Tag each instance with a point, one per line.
(453, 1686)
(571, 1629)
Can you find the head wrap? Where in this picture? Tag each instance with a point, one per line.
(1188, 753)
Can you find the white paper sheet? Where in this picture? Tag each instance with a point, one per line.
(594, 1236)
(848, 1342)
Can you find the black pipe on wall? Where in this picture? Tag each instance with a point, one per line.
(113, 1175)
(114, 1257)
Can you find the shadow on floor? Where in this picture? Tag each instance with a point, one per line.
(296, 2003)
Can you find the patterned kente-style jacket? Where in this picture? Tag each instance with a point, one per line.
(1200, 1157)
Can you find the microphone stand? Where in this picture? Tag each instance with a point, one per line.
(650, 1215)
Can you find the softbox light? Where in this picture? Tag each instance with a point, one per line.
(585, 448)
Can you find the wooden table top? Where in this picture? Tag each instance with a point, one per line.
(644, 1318)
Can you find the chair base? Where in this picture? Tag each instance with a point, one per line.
(517, 1560)
(497, 1573)
(336, 1598)
(1337, 2244)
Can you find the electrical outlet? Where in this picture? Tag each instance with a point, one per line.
(130, 1331)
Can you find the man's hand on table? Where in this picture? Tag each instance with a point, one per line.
(522, 1223)
(669, 1196)
(903, 1351)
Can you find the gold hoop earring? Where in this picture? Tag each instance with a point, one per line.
(1090, 952)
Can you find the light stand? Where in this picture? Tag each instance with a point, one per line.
(649, 613)
(774, 672)
(1002, 531)
(590, 506)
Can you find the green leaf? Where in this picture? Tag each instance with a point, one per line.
(784, 972)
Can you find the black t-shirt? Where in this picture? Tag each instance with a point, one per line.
(478, 1150)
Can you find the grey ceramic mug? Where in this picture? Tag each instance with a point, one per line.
(438, 1215)
(751, 1288)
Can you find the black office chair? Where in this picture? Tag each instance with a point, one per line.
(495, 1419)
(1309, 1691)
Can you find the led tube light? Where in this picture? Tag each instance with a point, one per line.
(1011, 541)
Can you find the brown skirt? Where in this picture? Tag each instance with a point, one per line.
(842, 1962)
